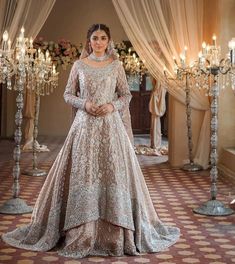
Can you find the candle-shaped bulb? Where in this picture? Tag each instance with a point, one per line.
(31, 42)
(204, 48)
(214, 40)
(22, 30)
(231, 44)
(185, 50)
(182, 56)
(164, 69)
(20, 39)
(53, 69)
(199, 54)
(9, 44)
(5, 36)
(47, 53)
(129, 50)
(134, 55)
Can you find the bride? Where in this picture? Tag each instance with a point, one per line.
(94, 200)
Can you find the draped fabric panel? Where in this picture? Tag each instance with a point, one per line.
(159, 30)
(157, 108)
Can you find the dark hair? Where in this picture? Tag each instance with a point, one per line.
(96, 27)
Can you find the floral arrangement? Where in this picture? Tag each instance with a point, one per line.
(64, 53)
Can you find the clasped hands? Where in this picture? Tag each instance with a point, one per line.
(96, 110)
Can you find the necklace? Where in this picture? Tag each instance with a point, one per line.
(95, 58)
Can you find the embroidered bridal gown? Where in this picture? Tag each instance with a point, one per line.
(94, 199)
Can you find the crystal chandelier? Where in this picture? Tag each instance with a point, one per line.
(133, 65)
(23, 67)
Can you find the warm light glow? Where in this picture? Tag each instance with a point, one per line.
(214, 40)
(5, 36)
(204, 45)
(53, 69)
(231, 44)
(9, 44)
(182, 56)
(23, 51)
(200, 54)
(22, 30)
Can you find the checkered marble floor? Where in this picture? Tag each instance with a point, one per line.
(206, 240)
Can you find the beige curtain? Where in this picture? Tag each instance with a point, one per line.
(28, 13)
(157, 108)
(31, 15)
(168, 26)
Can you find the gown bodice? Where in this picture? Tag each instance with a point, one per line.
(98, 85)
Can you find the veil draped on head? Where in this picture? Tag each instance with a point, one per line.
(124, 113)
(86, 51)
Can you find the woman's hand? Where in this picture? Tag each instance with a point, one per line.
(91, 108)
(104, 110)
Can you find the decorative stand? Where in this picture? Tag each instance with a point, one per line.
(183, 75)
(17, 205)
(215, 67)
(16, 67)
(29, 69)
(191, 166)
(214, 207)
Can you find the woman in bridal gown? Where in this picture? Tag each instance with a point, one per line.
(94, 200)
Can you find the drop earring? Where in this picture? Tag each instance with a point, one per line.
(89, 48)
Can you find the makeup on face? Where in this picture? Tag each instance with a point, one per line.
(99, 41)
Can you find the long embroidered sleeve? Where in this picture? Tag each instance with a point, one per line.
(122, 89)
(70, 95)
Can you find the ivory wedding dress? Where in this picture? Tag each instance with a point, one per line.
(94, 200)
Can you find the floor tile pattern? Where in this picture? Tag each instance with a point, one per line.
(206, 240)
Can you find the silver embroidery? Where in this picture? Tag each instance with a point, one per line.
(95, 196)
